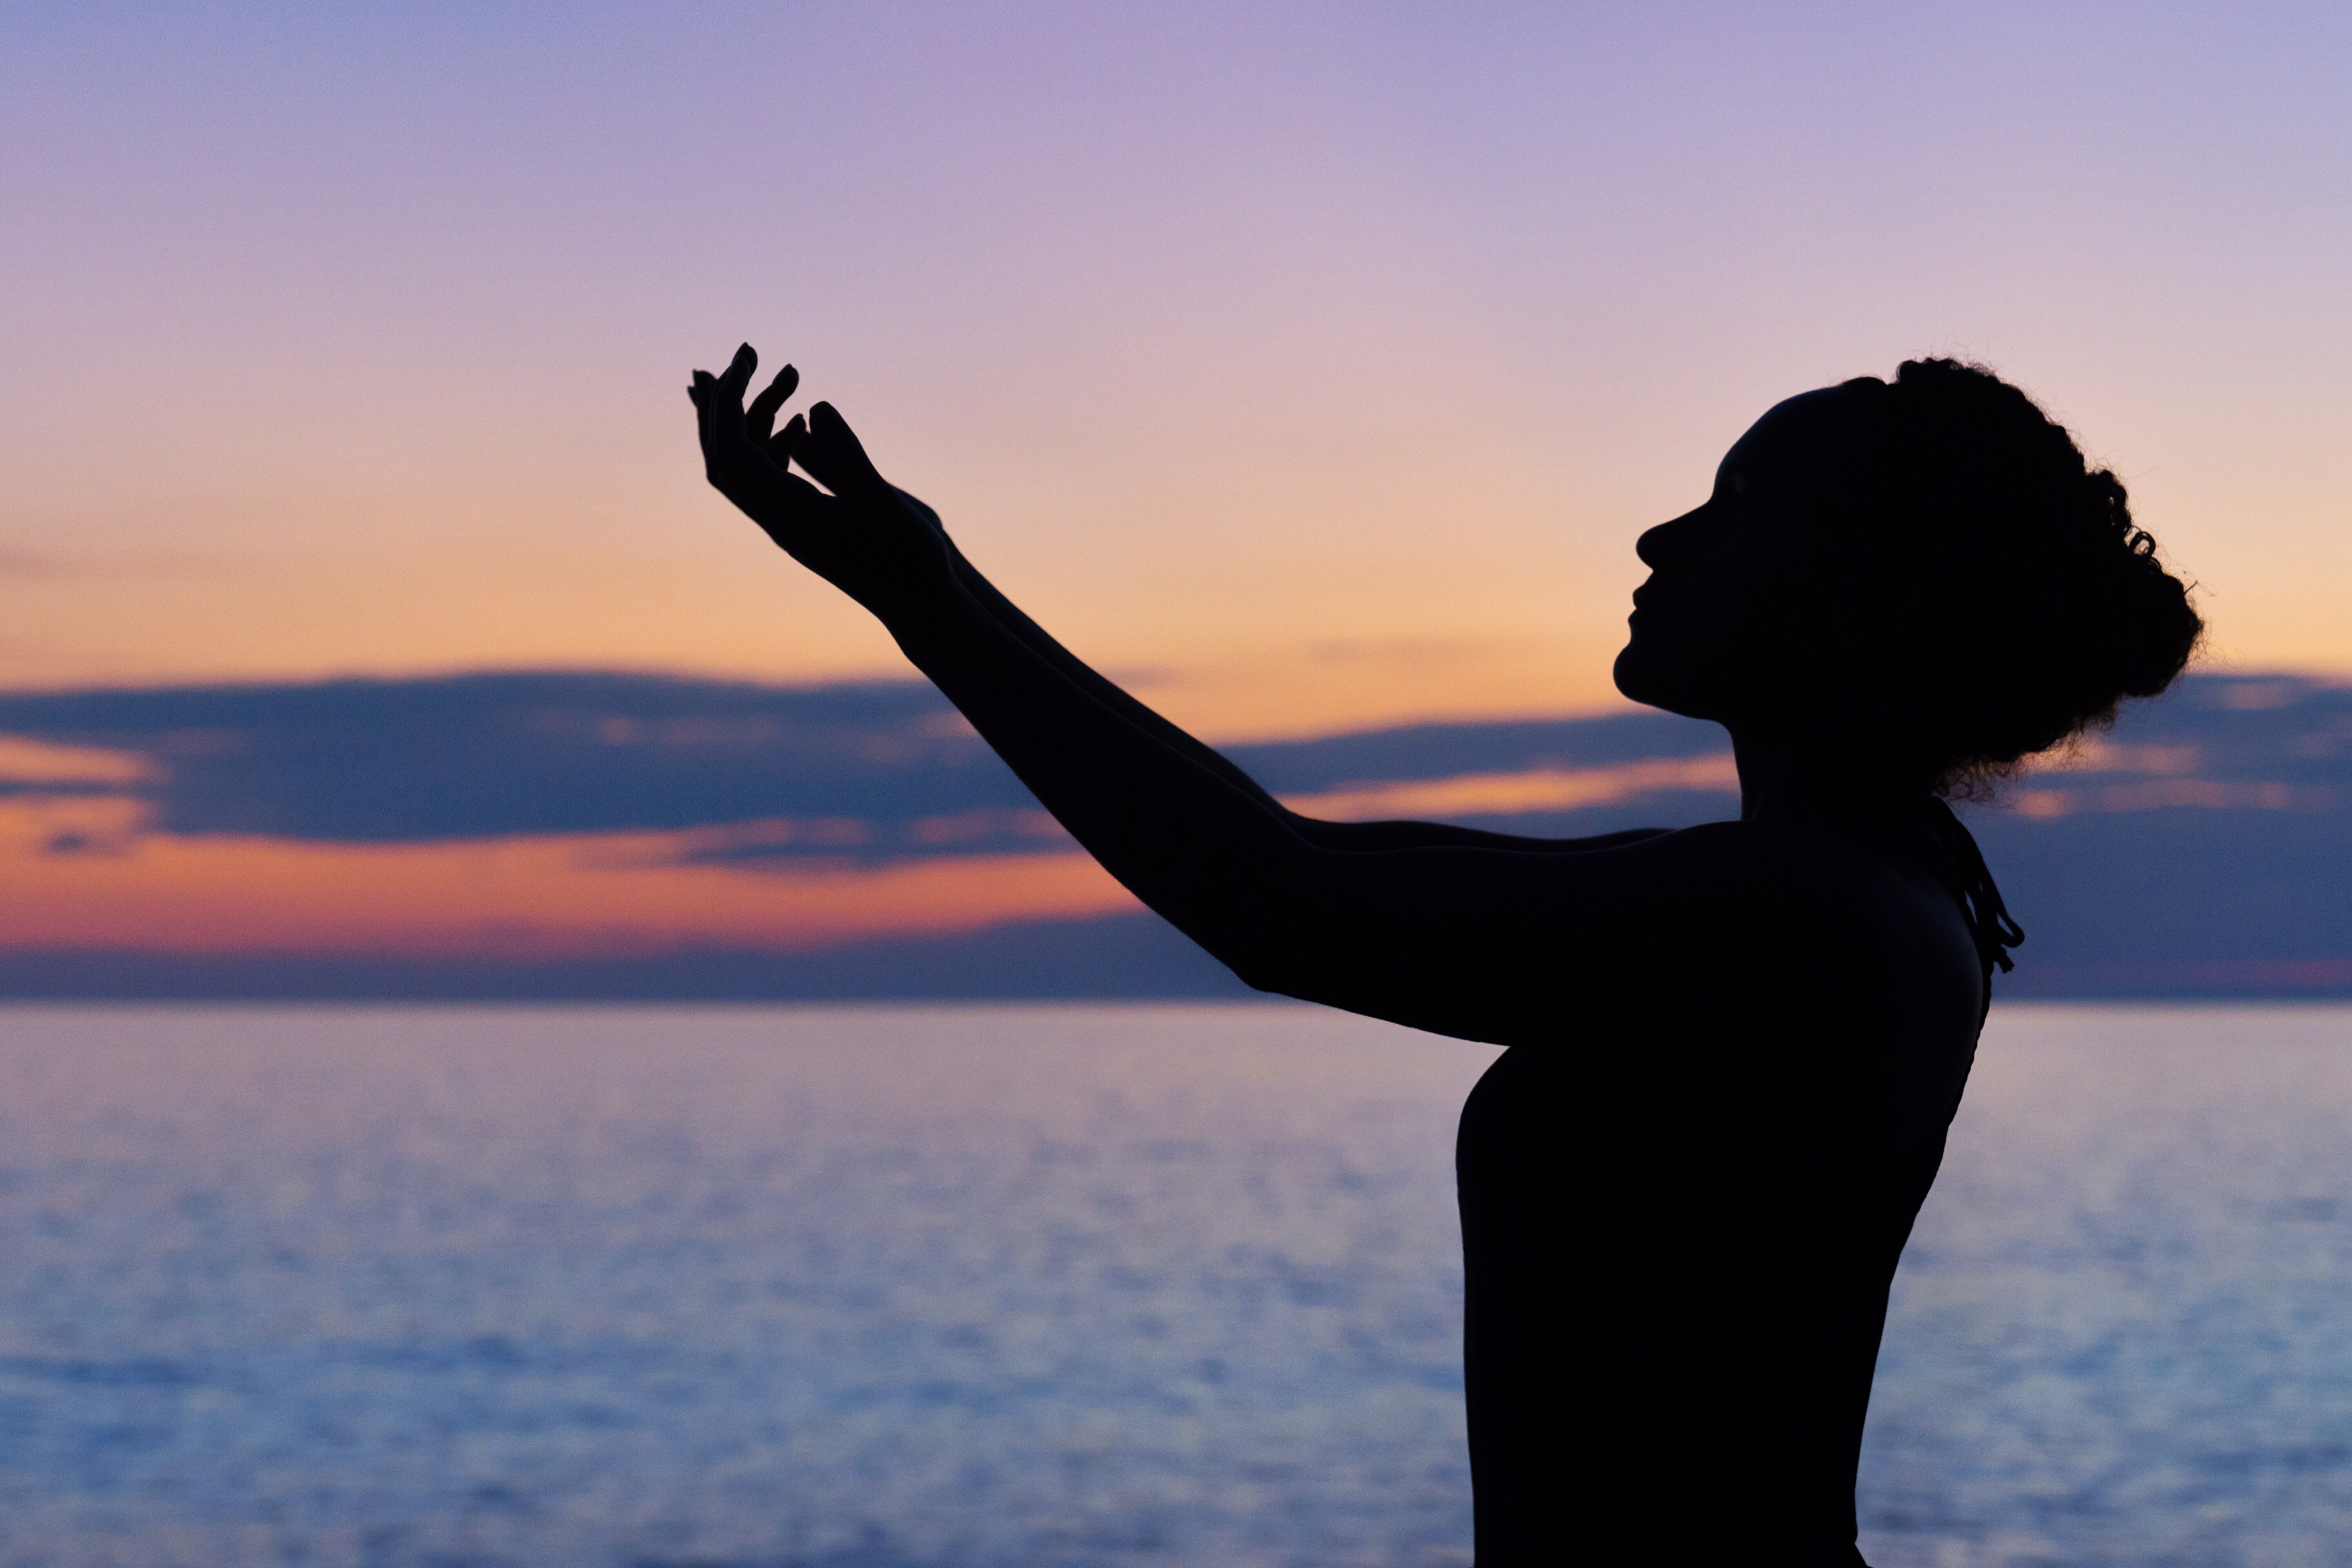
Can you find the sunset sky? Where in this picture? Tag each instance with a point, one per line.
(1312, 368)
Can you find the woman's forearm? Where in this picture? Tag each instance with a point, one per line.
(1125, 782)
(1212, 853)
(1352, 836)
(1078, 673)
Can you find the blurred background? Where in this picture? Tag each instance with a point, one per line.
(367, 632)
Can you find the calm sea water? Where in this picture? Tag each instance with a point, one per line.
(1054, 1286)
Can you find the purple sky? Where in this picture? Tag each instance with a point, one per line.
(1316, 366)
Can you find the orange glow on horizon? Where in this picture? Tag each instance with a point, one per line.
(536, 896)
(1536, 789)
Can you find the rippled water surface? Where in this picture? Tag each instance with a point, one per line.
(1054, 1286)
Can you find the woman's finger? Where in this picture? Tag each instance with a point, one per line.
(834, 455)
(725, 441)
(737, 377)
(705, 387)
(784, 445)
(699, 390)
(762, 417)
(751, 473)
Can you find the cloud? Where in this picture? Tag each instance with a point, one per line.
(2159, 795)
(1523, 793)
(1123, 956)
(490, 755)
(610, 835)
(745, 775)
(870, 771)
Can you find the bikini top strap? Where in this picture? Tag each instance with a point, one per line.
(1988, 919)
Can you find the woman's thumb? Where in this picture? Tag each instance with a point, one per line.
(833, 456)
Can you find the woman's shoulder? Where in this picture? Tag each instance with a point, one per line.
(1494, 943)
(1830, 896)
(1777, 860)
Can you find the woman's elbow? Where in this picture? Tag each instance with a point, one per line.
(1271, 927)
(1256, 958)
(1281, 964)
(1259, 975)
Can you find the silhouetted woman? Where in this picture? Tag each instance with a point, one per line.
(1734, 1050)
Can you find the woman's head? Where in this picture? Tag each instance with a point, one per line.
(1924, 575)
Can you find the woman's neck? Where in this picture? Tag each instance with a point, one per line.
(1780, 782)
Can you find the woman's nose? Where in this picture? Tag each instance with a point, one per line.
(1673, 541)
(1662, 546)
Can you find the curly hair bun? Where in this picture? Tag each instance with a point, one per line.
(2013, 602)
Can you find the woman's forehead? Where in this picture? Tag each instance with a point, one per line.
(1799, 433)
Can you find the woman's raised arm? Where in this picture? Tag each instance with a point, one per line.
(792, 443)
(1187, 832)
(1200, 849)
(1352, 836)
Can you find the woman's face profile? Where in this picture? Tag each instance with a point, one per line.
(1703, 626)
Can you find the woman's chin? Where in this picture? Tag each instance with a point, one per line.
(1639, 677)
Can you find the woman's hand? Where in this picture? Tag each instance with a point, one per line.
(874, 543)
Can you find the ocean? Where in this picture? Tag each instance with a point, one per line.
(914, 1287)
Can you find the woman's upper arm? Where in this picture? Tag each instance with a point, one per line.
(1493, 944)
